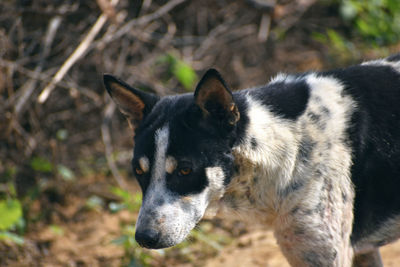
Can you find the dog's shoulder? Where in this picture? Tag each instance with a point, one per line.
(285, 95)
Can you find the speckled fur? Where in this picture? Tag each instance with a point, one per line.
(294, 176)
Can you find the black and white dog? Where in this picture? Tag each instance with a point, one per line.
(314, 156)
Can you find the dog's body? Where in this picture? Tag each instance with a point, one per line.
(316, 157)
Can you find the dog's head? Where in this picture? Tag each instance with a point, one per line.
(182, 155)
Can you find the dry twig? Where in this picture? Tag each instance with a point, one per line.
(143, 20)
(105, 132)
(80, 51)
(29, 86)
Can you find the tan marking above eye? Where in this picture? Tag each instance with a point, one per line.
(186, 199)
(170, 164)
(144, 164)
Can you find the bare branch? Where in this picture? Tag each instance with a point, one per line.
(105, 132)
(80, 51)
(265, 24)
(110, 36)
(29, 86)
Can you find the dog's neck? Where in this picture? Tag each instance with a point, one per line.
(265, 162)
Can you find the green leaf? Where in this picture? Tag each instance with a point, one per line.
(10, 213)
(66, 173)
(348, 10)
(11, 189)
(120, 240)
(182, 71)
(319, 37)
(116, 207)
(185, 74)
(41, 164)
(94, 202)
(62, 134)
(134, 263)
(7, 236)
(374, 20)
(56, 229)
(124, 195)
(130, 200)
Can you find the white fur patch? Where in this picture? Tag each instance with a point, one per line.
(285, 78)
(216, 177)
(276, 143)
(329, 91)
(383, 62)
(161, 143)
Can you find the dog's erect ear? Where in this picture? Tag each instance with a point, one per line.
(133, 103)
(215, 99)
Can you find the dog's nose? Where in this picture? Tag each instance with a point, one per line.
(147, 238)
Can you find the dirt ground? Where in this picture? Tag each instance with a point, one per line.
(259, 248)
(79, 236)
(88, 243)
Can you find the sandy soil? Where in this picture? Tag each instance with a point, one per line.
(78, 236)
(259, 248)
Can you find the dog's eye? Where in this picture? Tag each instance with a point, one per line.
(138, 171)
(185, 171)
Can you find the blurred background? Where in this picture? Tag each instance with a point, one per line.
(66, 193)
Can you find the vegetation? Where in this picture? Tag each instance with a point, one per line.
(376, 21)
(63, 152)
(11, 220)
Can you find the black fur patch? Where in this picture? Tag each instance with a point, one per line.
(318, 259)
(394, 58)
(325, 111)
(292, 187)
(374, 135)
(253, 143)
(314, 117)
(286, 99)
(313, 258)
(305, 148)
(193, 183)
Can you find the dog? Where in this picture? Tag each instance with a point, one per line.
(313, 156)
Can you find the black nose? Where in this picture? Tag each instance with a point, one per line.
(147, 238)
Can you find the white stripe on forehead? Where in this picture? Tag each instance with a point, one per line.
(161, 143)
